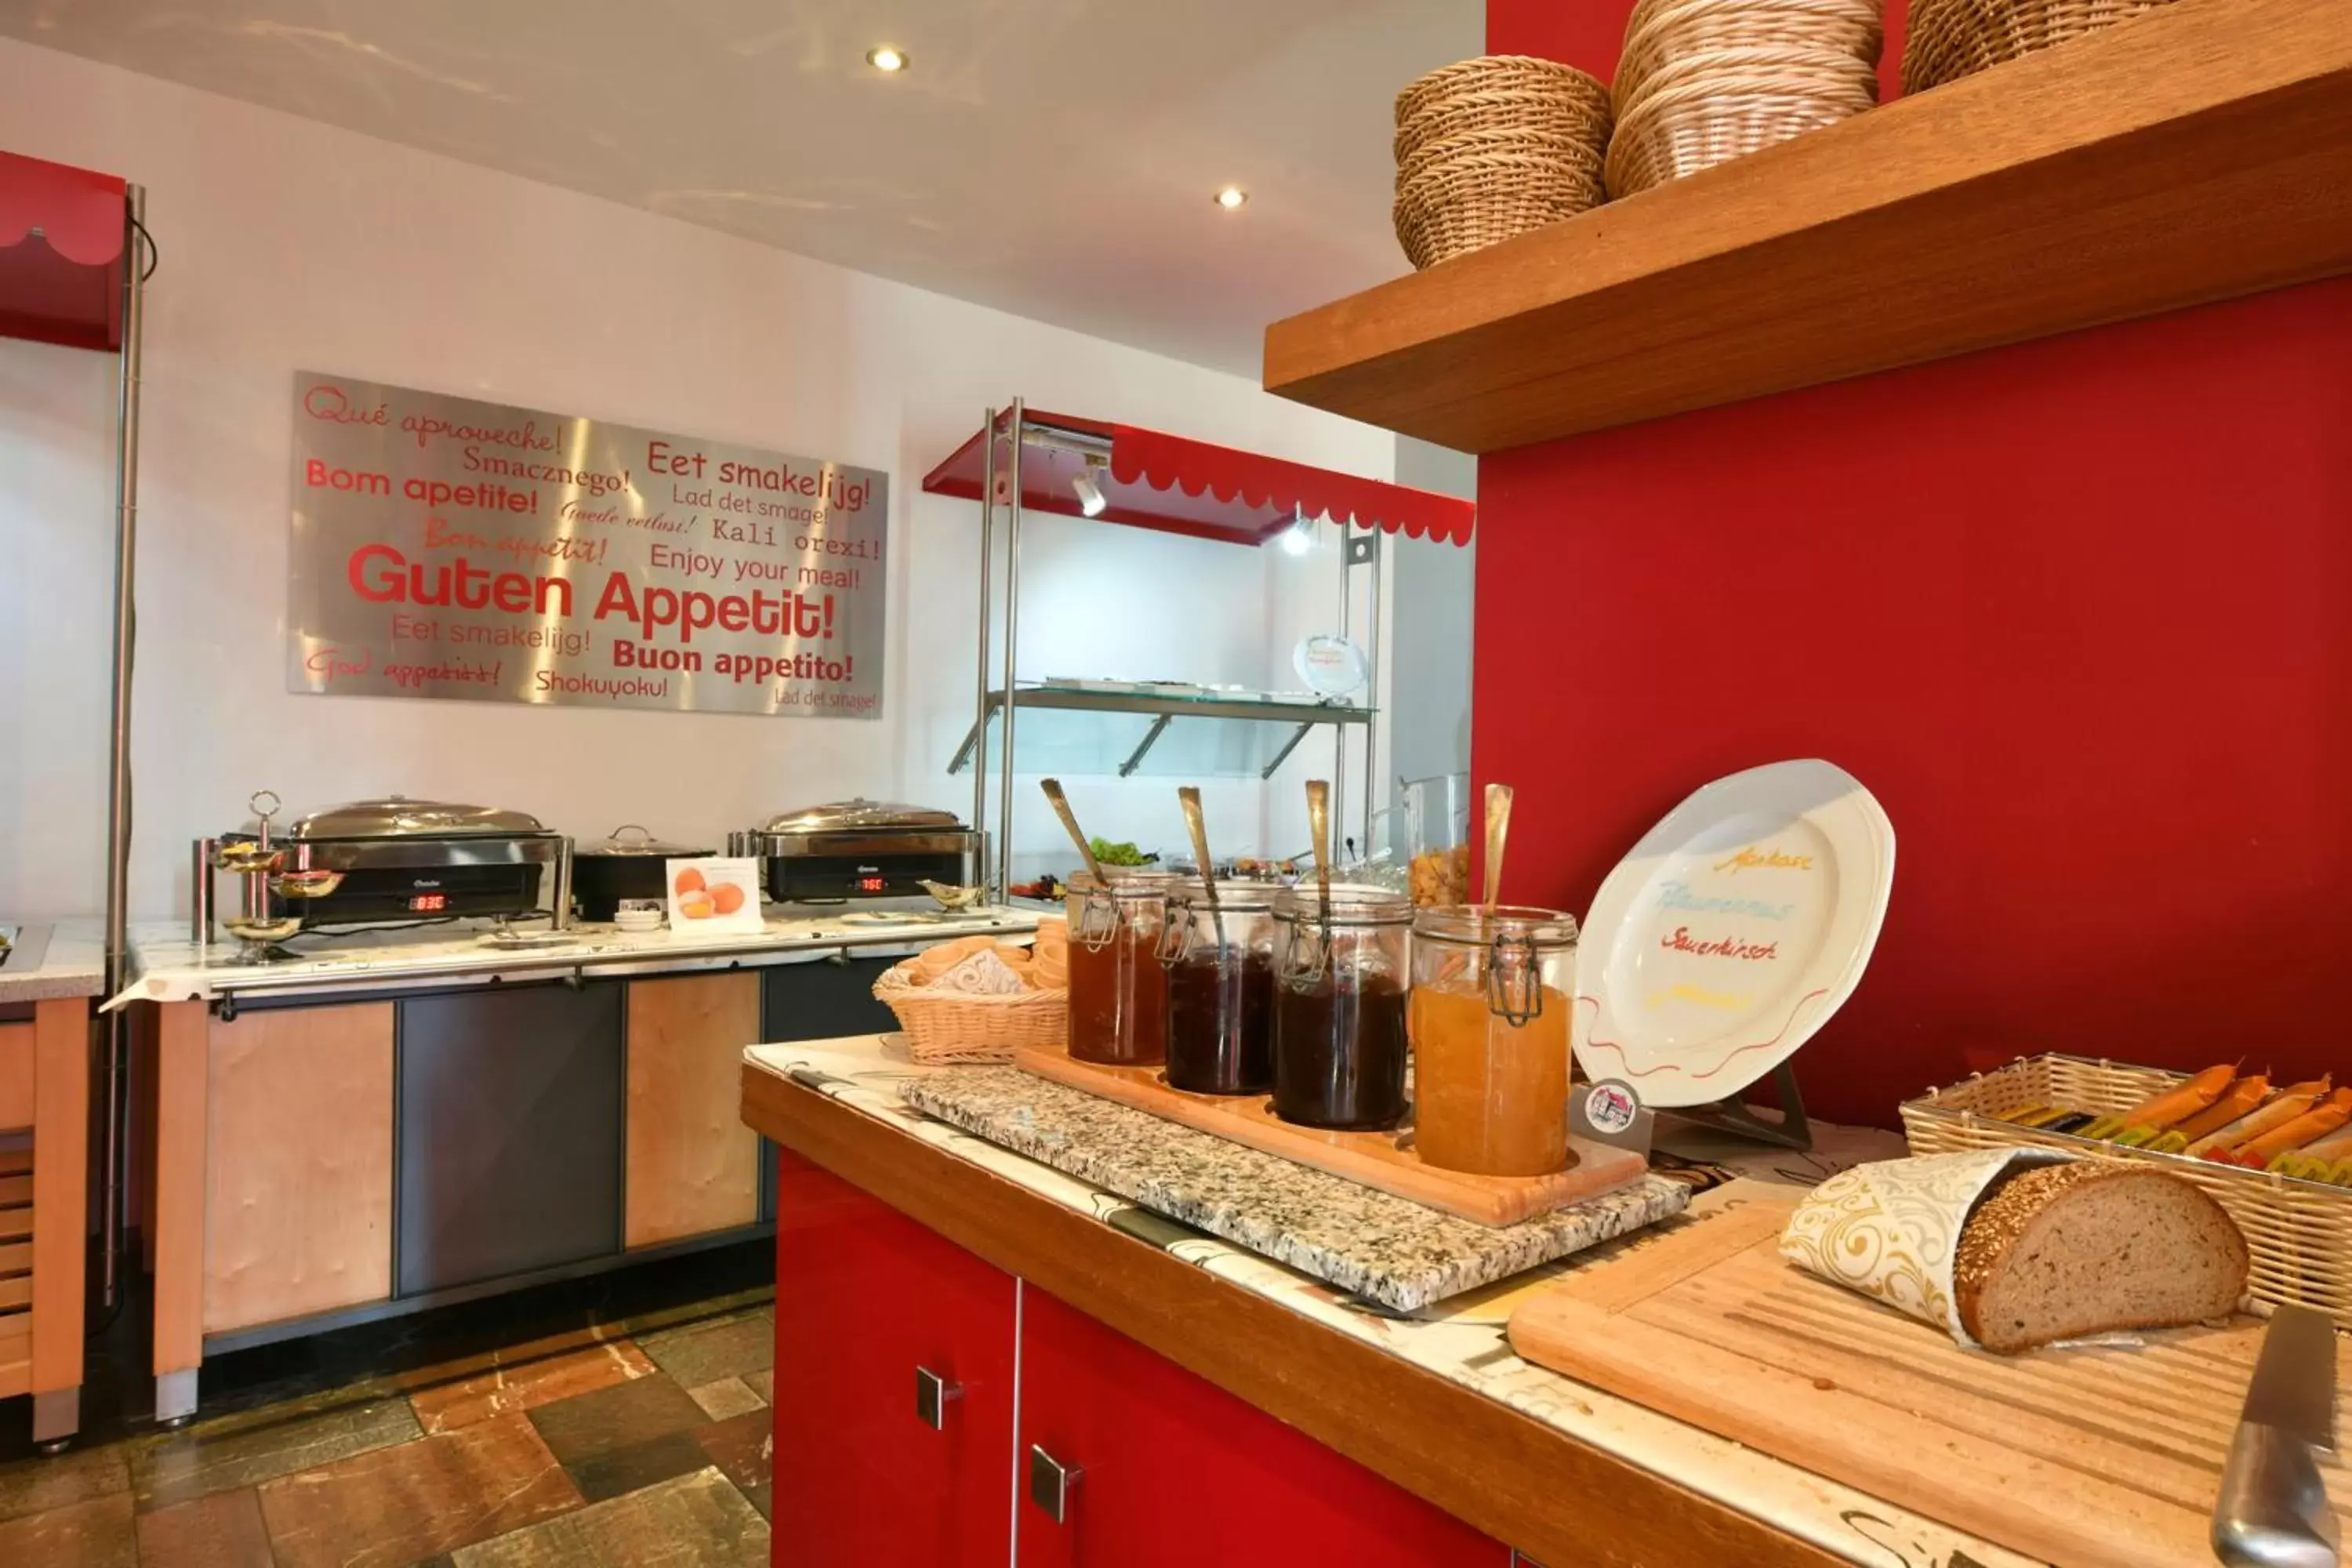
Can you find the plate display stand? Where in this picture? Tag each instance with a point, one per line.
(1734, 1116)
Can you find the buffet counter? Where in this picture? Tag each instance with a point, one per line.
(895, 1228)
(166, 966)
(388, 1122)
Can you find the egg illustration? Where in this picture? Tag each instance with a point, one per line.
(727, 898)
(689, 880)
(695, 905)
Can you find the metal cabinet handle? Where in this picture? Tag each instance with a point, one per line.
(932, 1393)
(1050, 1482)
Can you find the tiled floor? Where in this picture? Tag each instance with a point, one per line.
(612, 1422)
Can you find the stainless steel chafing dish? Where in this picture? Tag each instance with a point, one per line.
(396, 859)
(860, 849)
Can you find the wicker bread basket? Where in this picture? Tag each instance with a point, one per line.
(1494, 147)
(1704, 81)
(1947, 40)
(2299, 1233)
(951, 1028)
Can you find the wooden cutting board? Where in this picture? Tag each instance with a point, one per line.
(2109, 1457)
(1384, 1160)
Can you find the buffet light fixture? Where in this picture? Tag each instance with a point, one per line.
(1300, 537)
(887, 59)
(1090, 496)
(1232, 197)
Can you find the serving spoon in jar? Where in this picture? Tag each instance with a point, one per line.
(1498, 828)
(1189, 798)
(1061, 803)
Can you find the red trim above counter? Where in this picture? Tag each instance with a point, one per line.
(61, 250)
(1175, 485)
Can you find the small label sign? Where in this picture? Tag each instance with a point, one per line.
(1610, 1112)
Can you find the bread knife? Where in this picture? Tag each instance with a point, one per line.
(2274, 1511)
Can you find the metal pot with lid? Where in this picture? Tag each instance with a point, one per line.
(861, 849)
(629, 864)
(397, 817)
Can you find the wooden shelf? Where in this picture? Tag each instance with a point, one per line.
(2193, 154)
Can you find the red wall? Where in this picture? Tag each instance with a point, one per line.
(2079, 613)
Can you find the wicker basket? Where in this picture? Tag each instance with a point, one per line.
(1947, 40)
(1704, 82)
(2300, 1233)
(1492, 148)
(1660, 34)
(949, 1027)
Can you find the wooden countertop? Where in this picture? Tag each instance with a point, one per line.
(1435, 1403)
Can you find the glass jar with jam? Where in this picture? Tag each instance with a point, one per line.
(1220, 988)
(1341, 976)
(1118, 988)
(1489, 1023)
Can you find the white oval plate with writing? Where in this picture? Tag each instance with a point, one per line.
(1732, 932)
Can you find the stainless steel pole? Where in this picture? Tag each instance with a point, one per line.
(980, 702)
(1372, 773)
(114, 1152)
(1339, 731)
(1012, 640)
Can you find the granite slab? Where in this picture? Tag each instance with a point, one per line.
(1388, 1250)
(73, 964)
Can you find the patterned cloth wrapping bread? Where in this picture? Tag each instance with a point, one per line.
(981, 974)
(1892, 1230)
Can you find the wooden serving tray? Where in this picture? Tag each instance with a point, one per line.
(1378, 1159)
(2109, 1457)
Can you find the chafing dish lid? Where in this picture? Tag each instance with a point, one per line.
(630, 839)
(851, 816)
(396, 817)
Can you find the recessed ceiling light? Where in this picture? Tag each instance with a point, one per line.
(883, 58)
(1231, 196)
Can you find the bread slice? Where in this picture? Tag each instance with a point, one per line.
(2059, 1251)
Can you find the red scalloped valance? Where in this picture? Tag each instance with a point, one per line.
(61, 253)
(1259, 483)
(1175, 485)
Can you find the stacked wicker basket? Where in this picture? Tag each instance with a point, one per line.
(1494, 147)
(1947, 40)
(1704, 81)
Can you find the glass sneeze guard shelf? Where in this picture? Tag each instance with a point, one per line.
(1170, 732)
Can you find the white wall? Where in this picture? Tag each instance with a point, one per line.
(1429, 643)
(289, 245)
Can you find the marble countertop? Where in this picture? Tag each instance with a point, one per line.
(165, 966)
(74, 964)
(1460, 1338)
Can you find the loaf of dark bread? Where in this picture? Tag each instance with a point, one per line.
(2056, 1252)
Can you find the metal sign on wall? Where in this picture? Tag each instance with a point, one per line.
(448, 548)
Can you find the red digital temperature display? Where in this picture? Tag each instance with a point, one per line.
(428, 903)
(869, 884)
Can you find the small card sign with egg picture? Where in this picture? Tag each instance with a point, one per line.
(714, 895)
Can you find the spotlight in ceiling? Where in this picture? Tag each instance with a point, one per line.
(887, 59)
(1300, 537)
(1090, 496)
(1232, 197)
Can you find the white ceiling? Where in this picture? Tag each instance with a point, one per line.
(1054, 158)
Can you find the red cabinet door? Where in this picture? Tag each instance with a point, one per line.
(865, 1299)
(1173, 1470)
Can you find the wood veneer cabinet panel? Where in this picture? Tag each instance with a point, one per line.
(298, 1162)
(15, 1077)
(693, 1166)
